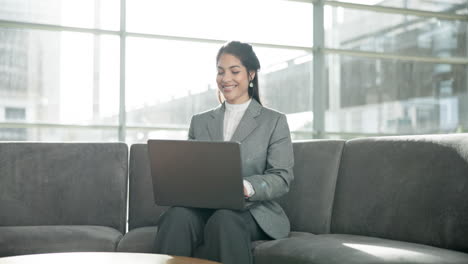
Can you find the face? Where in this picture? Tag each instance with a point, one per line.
(233, 80)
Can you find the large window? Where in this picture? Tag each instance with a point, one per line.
(381, 96)
(261, 21)
(59, 79)
(95, 71)
(395, 33)
(102, 14)
(168, 81)
(450, 6)
(396, 73)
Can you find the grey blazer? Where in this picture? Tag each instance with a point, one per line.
(267, 159)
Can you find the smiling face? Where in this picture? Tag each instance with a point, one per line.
(233, 80)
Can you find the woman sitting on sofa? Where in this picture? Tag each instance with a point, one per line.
(225, 235)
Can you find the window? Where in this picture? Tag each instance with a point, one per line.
(15, 113)
(169, 81)
(449, 6)
(69, 72)
(282, 22)
(395, 33)
(381, 96)
(102, 14)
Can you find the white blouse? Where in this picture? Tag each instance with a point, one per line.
(232, 118)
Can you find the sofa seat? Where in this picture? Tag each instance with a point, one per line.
(139, 240)
(291, 235)
(338, 248)
(20, 240)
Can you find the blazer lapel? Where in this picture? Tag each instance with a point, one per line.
(248, 122)
(215, 127)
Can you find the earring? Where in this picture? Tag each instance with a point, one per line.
(251, 84)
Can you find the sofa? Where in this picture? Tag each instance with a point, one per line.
(62, 197)
(376, 200)
(370, 200)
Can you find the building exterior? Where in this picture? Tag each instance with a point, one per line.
(29, 66)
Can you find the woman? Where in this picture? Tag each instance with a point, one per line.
(267, 160)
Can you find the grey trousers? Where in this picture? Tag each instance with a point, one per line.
(220, 235)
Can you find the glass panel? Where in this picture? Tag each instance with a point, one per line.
(393, 33)
(140, 135)
(169, 81)
(15, 113)
(58, 134)
(287, 87)
(57, 77)
(102, 14)
(11, 133)
(450, 6)
(395, 97)
(266, 21)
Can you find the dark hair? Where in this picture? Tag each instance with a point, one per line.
(244, 52)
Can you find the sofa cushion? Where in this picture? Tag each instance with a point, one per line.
(350, 249)
(309, 201)
(407, 188)
(63, 184)
(142, 209)
(20, 240)
(291, 235)
(139, 240)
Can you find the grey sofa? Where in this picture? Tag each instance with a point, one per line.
(371, 200)
(62, 197)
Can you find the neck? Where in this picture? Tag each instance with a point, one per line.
(239, 102)
(237, 107)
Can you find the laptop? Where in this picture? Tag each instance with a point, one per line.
(202, 174)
